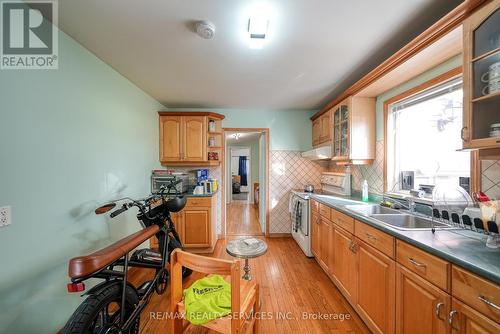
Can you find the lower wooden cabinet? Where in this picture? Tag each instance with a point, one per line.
(345, 263)
(421, 307)
(324, 227)
(315, 234)
(465, 320)
(376, 289)
(195, 225)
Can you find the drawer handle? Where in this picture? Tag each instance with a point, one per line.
(438, 310)
(488, 302)
(452, 315)
(416, 263)
(371, 237)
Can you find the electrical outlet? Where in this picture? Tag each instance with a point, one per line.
(5, 216)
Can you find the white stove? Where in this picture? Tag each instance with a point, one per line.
(299, 207)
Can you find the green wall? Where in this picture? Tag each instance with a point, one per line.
(69, 139)
(254, 159)
(424, 77)
(288, 129)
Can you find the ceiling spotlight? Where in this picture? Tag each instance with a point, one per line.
(257, 30)
(205, 29)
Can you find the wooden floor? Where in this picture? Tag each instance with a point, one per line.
(242, 219)
(290, 285)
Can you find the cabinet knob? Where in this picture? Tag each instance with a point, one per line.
(452, 315)
(438, 310)
(463, 134)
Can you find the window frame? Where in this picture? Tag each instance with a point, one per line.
(436, 81)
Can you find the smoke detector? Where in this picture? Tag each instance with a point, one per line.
(205, 29)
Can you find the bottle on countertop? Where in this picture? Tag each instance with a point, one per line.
(364, 191)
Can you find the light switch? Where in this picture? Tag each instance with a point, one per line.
(5, 216)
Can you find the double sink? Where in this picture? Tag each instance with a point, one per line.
(395, 218)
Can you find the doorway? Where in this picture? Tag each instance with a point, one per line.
(246, 181)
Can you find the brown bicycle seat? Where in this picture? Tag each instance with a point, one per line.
(82, 266)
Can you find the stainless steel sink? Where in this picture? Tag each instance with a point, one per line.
(369, 210)
(409, 222)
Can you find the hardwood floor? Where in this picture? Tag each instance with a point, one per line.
(290, 284)
(242, 219)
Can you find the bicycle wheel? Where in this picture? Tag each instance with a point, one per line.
(100, 313)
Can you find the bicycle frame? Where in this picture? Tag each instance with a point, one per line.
(109, 274)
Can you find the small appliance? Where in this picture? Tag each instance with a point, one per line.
(163, 178)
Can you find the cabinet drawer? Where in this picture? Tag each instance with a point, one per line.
(480, 294)
(314, 206)
(199, 201)
(343, 220)
(324, 211)
(428, 266)
(375, 238)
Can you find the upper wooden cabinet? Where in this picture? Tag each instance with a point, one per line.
(482, 78)
(322, 129)
(354, 131)
(190, 138)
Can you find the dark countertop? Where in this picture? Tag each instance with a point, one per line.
(464, 248)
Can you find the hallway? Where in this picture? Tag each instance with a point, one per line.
(242, 219)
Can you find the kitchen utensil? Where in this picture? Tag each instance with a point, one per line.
(198, 190)
(492, 227)
(309, 188)
(492, 78)
(478, 223)
(452, 196)
(466, 220)
(495, 130)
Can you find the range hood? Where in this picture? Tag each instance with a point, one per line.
(320, 153)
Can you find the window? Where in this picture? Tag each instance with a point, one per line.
(423, 136)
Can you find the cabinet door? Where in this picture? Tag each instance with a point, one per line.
(315, 235)
(326, 127)
(331, 247)
(465, 320)
(170, 138)
(195, 138)
(421, 307)
(316, 131)
(177, 220)
(196, 227)
(345, 263)
(376, 288)
(323, 241)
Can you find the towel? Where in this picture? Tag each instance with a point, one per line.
(297, 221)
(207, 299)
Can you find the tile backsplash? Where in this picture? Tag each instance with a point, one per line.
(289, 171)
(490, 178)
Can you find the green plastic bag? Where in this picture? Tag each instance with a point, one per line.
(207, 299)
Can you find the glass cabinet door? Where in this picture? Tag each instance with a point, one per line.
(344, 130)
(484, 117)
(336, 132)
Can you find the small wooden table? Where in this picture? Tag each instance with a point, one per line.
(243, 248)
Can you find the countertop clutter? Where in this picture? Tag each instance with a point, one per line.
(461, 247)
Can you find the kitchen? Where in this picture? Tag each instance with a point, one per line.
(378, 177)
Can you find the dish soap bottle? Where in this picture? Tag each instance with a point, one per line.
(364, 191)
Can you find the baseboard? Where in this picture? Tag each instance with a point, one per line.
(280, 235)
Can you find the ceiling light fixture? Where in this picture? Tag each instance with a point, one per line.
(236, 136)
(258, 24)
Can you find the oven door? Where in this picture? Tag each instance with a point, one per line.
(304, 226)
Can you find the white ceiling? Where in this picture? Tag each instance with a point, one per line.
(316, 47)
(244, 137)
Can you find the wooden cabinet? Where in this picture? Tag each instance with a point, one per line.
(481, 78)
(376, 289)
(345, 263)
(421, 307)
(354, 131)
(195, 225)
(170, 138)
(322, 129)
(195, 138)
(324, 242)
(465, 320)
(184, 138)
(315, 234)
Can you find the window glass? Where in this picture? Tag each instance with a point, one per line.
(424, 136)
